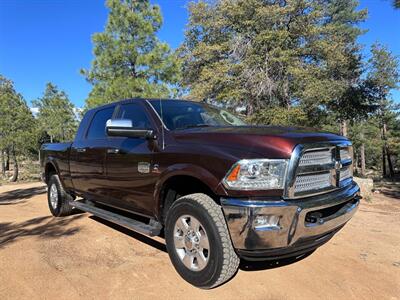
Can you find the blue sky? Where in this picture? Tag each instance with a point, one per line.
(43, 40)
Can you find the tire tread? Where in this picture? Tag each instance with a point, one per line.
(65, 209)
(230, 260)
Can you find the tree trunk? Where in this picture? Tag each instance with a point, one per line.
(3, 164)
(383, 161)
(390, 165)
(362, 154)
(386, 152)
(343, 128)
(7, 166)
(14, 178)
(250, 109)
(355, 165)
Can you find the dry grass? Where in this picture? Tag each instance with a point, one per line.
(29, 170)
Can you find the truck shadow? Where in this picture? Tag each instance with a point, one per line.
(392, 191)
(389, 188)
(46, 227)
(244, 264)
(20, 195)
(140, 237)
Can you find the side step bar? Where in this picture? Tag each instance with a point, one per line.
(151, 229)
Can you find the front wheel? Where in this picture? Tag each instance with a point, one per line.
(58, 199)
(199, 243)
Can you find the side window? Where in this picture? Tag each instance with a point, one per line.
(97, 129)
(136, 113)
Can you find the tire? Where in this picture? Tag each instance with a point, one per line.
(221, 260)
(58, 206)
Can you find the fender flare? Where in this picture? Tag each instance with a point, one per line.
(51, 161)
(191, 170)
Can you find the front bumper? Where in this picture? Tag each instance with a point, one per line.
(304, 224)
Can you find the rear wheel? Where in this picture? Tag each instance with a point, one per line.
(198, 241)
(58, 198)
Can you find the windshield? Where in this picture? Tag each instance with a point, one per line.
(179, 114)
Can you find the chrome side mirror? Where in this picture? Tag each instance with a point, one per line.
(124, 127)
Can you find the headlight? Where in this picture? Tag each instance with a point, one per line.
(257, 174)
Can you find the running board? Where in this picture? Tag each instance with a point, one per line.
(152, 229)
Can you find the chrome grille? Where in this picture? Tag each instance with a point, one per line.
(345, 154)
(345, 173)
(319, 181)
(311, 158)
(322, 168)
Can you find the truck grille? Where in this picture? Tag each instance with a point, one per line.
(345, 173)
(322, 169)
(306, 183)
(316, 158)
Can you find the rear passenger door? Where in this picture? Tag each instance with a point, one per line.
(130, 168)
(88, 158)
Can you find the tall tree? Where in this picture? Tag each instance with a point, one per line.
(129, 60)
(384, 76)
(56, 114)
(366, 138)
(273, 53)
(17, 125)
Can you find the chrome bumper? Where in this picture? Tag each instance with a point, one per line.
(337, 208)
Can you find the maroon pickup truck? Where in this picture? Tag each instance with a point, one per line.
(217, 189)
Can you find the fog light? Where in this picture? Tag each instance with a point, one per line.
(267, 222)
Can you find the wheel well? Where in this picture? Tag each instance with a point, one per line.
(49, 170)
(178, 186)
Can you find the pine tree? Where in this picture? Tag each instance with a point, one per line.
(383, 76)
(17, 125)
(273, 53)
(129, 60)
(56, 114)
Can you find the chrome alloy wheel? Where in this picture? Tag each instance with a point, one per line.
(53, 196)
(191, 243)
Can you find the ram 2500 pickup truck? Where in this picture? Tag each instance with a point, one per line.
(217, 189)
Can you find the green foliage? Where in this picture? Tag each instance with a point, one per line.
(394, 139)
(383, 76)
(293, 62)
(17, 125)
(273, 53)
(56, 115)
(129, 59)
(294, 116)
(368, 133)
(289, 62)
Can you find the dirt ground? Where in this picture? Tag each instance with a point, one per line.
(80, 256)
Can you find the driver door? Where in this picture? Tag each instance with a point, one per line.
(129, 163)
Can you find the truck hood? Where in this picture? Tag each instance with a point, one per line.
(255, 141)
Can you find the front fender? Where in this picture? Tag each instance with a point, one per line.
(191, 170)
(64, 175)
(50, 163)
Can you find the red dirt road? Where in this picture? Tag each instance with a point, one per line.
(80, 256)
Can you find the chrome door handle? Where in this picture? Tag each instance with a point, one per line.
(113, 151)
(81, 150)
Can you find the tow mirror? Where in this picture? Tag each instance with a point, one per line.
(124, 127)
